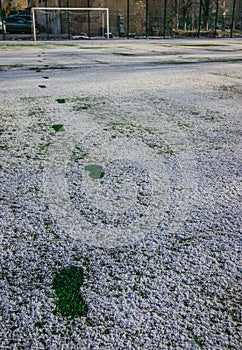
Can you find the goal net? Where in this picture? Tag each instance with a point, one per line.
(69, 23)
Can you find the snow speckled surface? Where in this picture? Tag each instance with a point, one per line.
(159, 234)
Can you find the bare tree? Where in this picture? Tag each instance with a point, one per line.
(206, 11)
(9, 6)
(186, 6)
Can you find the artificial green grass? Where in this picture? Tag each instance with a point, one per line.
(67, 283)
(58, 127)
(61, 100)
(95, 171)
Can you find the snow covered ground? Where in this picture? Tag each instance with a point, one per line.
(122, 158)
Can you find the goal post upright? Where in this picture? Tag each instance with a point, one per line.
(33, 23)
(33, 9)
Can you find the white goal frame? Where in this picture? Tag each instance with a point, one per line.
(33, 9)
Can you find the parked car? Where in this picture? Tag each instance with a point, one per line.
(21, 15)
(18, 24)
(2, 25)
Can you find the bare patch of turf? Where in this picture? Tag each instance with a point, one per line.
(66, 284)
(58, 127)
(61, 100)
(95, 171)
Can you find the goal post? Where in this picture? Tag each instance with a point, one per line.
(46, 10)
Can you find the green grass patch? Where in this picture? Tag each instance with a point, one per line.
(58, 127)
(81, 103)
(35, 111)
(28, 99)
(100, 62)
(198, 341)
(166, 151)
(83, 106)
(123, 54)
(208, 117)
(194, 113)
(33, 99)
(61, 100)
(95, 171)
(78, 154)
(20, 45)
(90, 47)
(66, 284)
(47, 67)
(201, 45)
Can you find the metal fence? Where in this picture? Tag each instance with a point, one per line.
(184, 18)
(152, 18)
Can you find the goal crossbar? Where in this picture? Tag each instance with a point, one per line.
(68, 9)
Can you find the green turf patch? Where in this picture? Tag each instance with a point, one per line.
(58, 127)
(78, 154)
(61, 100)
(123, 54)
(35, 111)
(90, 47)
(67, 283)
(200, 45)
(83, 106)
(95, 171)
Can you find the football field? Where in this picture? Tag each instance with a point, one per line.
(121, 194)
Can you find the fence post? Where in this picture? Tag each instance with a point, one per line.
(68, 20)
(147, 18)
(199, 19)
(232, 21)
(128, 18)
(88, 20)
(165, 6)
(216, 19)
(47, 22)
(1, 14)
